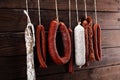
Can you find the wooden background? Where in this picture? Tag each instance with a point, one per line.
(12, 44)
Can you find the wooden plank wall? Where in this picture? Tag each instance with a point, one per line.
(12, 44)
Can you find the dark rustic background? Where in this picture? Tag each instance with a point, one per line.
(12, 44)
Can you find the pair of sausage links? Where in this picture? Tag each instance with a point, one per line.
(97, 42)
(54, 25)
(70, 63)
(41, 45)
(90, 38)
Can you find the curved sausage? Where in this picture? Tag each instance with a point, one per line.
(70, 63)
(79, 45)
(41, 45)
(90, 38)
(85, 25)
(97, 42)
(54, 25)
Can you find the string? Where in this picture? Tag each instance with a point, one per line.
(27, 5)
(69, 13)
(27, 8)
(77, 11)
(56, 10)
(95, 10)
(39, 12)
(85, 8)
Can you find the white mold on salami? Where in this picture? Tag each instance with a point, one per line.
(79, 38)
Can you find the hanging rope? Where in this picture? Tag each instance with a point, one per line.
(56, 10)
(77, 10)
(39, 12)
(27, 5)
(69, 13)
(27, 8)
(85, 8)
(95, 10)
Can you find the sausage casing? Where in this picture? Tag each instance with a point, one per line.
(54, 25)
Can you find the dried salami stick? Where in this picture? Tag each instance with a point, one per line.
(90, 39)
(97, 42)
(41, 45)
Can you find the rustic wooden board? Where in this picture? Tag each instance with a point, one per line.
(110, 57)
(16, 71)
(12, 43)
(13, 57)
(103, 73)
(15, 20)
(107, 5)
(110, 38)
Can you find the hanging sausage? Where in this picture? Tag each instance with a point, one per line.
(70, 63)
(97, 42)
(79, 45)
(97, 37)
(90, 39)
(54, 26)
(87, 24)
(79, 39)
(41, 42)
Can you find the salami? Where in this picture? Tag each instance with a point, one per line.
(79, 45)
(90, 39)
(97, 42)
(54, 25)
(41, 45)
(70, 64)
(85, 25)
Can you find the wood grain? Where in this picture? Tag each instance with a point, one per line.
(15, 20)
(112, 5)
(18, 71)
(91, 74)
(13, 57)
(14, 42)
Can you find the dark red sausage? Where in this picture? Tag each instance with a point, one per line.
(54, 25)
(70, 64)
(41, 45)
(85, 25)
(90, 39)
(97, 42)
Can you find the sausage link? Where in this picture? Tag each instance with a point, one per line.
(85, 25)
(70, 63)
(79, 37)
(90, 38)
(54, 25)
(97, 42)
(41, 45)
